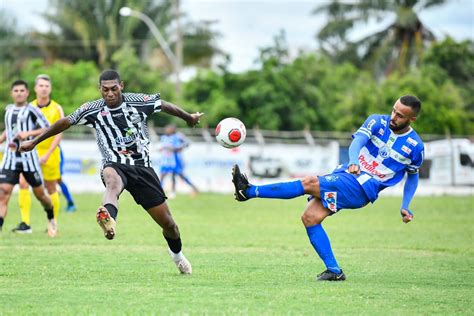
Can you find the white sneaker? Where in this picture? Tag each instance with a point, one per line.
(184, 266)
(52, 228)
(106, 222)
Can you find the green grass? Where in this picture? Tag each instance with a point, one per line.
(248, 258)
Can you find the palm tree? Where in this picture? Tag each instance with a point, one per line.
(398, 46)
(94, 29)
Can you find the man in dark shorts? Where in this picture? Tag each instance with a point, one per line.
(119, 120)
(22, 121)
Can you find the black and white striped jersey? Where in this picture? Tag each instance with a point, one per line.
(21, 119)
(121, 133)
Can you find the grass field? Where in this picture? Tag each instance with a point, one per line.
(248, 258)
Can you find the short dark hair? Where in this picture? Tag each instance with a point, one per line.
(411, 101)
(109, 74)
(19, 82)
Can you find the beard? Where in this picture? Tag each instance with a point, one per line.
(397, 128)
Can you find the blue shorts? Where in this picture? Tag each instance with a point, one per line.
(341, 190)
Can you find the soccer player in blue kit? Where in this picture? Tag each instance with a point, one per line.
(172, 145)
(383, 149)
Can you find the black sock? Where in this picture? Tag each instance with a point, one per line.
(1, 222)
(49, 212)
(112, 210)
(174, 244)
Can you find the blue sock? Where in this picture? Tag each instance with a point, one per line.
(320, 241)
(283, 190)
(66, 193)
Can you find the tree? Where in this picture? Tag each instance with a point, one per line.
(94, 29)
(396, 47)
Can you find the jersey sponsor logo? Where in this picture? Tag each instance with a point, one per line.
(383, 122)
(381, 132)
(117, 114)
(406, 150)
(371, 123)
(331, 200)
(370, 167)
(384, 152)
(129, 138)
(411, 141)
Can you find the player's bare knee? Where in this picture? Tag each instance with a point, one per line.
(113, 185)
(309, 219)
(310, 184)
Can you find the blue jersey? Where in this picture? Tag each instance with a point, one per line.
(171, 146)
(386, 156)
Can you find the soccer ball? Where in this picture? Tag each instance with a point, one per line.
(230, 132)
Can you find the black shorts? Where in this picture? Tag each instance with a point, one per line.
(13, 177)
(142, 183)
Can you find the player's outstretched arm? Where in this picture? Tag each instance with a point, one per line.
(408, 193)
(3, 137)
(58, 127)
(173, 109)
(358, 142)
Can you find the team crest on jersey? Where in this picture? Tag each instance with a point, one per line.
(331, 200)
(406, 150)
(411, 141)
(384, 152)
(331, 178)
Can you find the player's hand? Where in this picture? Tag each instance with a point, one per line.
(44, 159)
(22, 135)
(195, 119)
(407, 215)
(27, 146)
(354, 169)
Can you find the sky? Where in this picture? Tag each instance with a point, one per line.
(247, 25)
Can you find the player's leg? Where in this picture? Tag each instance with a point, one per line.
(51, 188)
(312, 218)
(71, 207)
(24, 203)
(162, 216)
(147, 191)
(282, 190)
(172, 193)
(51, 173)
(64, 188)
(188, 182)
(5, 194)
(107, 214)
(45, 200)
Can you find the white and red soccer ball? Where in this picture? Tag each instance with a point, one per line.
(230, 132)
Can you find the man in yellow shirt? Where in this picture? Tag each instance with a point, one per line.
(48, 152)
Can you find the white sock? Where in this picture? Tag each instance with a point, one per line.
(176, 256)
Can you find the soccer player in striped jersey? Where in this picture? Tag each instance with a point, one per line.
(119, 120)
(48, 152)
(384, 149)
(22, 122)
